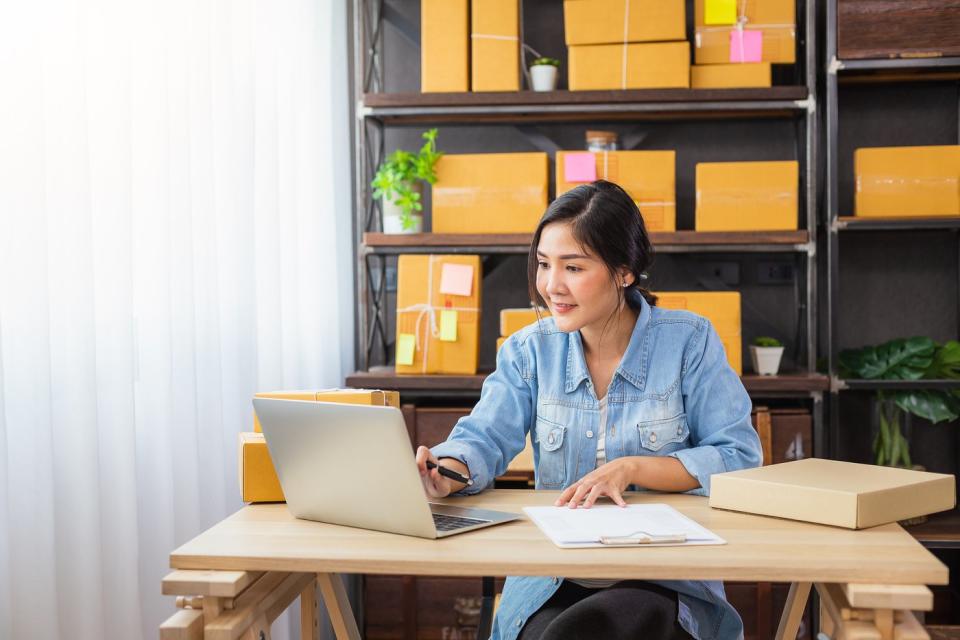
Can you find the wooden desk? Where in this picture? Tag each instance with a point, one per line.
(266, 538)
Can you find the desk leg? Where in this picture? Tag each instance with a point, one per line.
(309, 624)
(338, 606)
(793, 611)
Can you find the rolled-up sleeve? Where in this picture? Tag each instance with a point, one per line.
(718, 412)
(496, 430)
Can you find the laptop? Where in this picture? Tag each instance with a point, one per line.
(352, 465)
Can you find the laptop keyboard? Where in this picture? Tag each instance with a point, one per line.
(449, 523)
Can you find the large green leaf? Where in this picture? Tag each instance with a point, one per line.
(900, 359)
(933, 405)
(946, 362)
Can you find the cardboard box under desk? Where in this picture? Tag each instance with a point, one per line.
(602, 21)
(512, 320)
(258, 478)
(648, 176)
(444, 46)
(730, 76)
(490, 192)
(907, 181)
(776, 19)
(420, 305)
(495, 45)
(842, 494)
(344, 396)
(721, 308)
(658, 65)
(747, 196)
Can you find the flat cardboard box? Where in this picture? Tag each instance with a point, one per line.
(730, 76)
(775, 18)
(344, 396)
(907, 181)
(490, 192)
(747, 196)
(420, 304)
(648, 176)
(258, 478)
(842, 494)
(659, 65)
(722, 308)
(602, 21)
(495, 45)
(444, 46)
(512, 320)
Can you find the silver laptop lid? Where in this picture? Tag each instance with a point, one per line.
(346, 464)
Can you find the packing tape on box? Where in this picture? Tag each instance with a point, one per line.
(734, 195)
(901, 181)
(487, 195)
(429, 311)
(698, 42)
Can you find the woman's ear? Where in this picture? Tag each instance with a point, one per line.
(626, 278)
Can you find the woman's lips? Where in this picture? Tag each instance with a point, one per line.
(561, 308)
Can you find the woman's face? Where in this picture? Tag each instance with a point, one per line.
(575, 284)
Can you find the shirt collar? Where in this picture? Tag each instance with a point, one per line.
(631, 366)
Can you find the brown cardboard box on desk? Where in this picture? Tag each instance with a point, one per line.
(657, 65)
(842, 494)
(495, 45)
(775, 19)
(747, 196)
(730, 76)
(345, 396)
(438, 314)
(648, 176)
(444, 46)
(258, 478)
(490, 192)
(602, 21)
(721, 308)
(907, 181)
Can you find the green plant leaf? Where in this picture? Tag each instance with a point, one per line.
(930, 404)
(900, 359)
(946, 362)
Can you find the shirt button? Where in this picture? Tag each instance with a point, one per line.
(679, 431)
(550, 439)
(653, 437)
(556, 581)
(519, 623)
(589, 434)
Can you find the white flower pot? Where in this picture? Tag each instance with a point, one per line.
(393, 216)
(543, 77)
(766, 360)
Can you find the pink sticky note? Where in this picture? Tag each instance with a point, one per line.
(746, 46)
(456, 279)
(579, 167)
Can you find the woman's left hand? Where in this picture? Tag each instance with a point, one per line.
(609, 480)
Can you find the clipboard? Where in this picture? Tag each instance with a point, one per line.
(610, 526)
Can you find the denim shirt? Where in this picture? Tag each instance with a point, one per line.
(674, 394)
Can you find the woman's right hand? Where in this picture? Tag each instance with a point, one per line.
(434, 484)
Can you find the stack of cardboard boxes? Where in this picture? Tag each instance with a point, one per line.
(626, 44)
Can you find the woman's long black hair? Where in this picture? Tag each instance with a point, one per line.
(605, 220)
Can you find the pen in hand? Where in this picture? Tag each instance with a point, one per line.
(449, 473)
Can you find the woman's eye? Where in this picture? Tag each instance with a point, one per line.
(542, 265)
(573, 268)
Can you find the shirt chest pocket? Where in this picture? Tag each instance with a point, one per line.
(658, 437)
(551, 468)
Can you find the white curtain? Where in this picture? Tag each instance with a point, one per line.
(175, 232)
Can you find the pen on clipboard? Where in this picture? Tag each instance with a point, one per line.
(679, 538)
(449, 473)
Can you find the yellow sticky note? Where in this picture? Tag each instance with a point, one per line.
(448, 325)
(720, 12)
(406, 345)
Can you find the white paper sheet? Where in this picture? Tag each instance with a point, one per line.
(577, 528)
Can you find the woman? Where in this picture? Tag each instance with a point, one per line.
(615, 392)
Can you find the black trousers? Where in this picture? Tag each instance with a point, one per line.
(630, 609)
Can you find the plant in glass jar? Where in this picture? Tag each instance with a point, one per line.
(399, 182)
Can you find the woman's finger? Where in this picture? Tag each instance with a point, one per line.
(566, 494)
(581, 491)
(614, 493)
(597, 491)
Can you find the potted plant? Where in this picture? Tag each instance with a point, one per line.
(765, 352)
(399, 185)
(905, 359)
(543, 74)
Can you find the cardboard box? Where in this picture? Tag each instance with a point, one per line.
(722, 308)
(500, 341)
(602, 21)
(659, 65)
(512, 320)
(648, 176)
(842, 494)
(730, 76)
(907, 181)
(344, 396)
(490, 193)
(776, 19)
(258, 478)
(421, 303)
(747, 196)
(495, 45)
(444, 46)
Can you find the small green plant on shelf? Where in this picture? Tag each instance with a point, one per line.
(543, 73)
(399, 179)
(766, 353)
(553, 62)
(764, 341)
(916, 358)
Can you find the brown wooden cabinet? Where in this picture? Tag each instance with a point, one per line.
(897, 28)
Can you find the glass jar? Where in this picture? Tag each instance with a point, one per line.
(601, 141)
